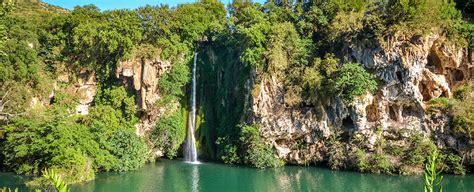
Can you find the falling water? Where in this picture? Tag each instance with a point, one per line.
(190, 154)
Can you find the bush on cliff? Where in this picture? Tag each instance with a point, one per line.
(169, 134)
(256, 152)
(352, 80)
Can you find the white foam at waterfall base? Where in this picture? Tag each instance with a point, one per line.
(190, 153)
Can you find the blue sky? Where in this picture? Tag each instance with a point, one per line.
(120, 4)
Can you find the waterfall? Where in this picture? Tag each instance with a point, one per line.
(190, 154)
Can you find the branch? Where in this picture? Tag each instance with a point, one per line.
(3, 97)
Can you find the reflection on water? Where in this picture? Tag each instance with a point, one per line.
(195, 178)
(167, 175)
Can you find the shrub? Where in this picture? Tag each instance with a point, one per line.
(350, 81)
(463, 124)
(336, 152)
(463, 92)
(257, 153)
(463, 118)
(75, 146)
(454, 164)
(50, 139)
(130, 150)
(169, 134)
(172, 83)
(378, 162)
(419, 150)
(228, 152)
(363, 163)
(381, 164)
(118, 99)
(440, 102)
(436, 104)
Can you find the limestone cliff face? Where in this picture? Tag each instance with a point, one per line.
(86, 87)
(410, 73)
(142, 75)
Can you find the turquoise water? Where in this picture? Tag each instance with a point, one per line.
(170, 175)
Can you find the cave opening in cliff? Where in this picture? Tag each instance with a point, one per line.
(399, 76)
(458, 75)
(434, 63)
(410, 111)
(348, 123)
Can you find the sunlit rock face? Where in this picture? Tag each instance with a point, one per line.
(410, 72)
(142, 76)
(86, 87)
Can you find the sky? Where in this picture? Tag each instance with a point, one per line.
(120, 4)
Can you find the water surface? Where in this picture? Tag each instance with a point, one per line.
(172, 175)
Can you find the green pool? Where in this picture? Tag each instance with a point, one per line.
(173, 175)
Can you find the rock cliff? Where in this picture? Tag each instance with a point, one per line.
(410, 73)
(142, 75)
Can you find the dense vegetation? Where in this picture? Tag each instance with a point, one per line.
(303, 45)
(300, 44)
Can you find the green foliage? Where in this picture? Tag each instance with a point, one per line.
(251, 29)
(257, 153)
(76, 146)
(176, 31)
(432, 173)
(170, 133)
(382, 164)
(49, 176)
(378, 162)
(420, 149)
(130, 150)
(57, 181)
(462, 113)
(363, 163)
(172, 83)
(453, 163)
(336, 152)
(462, 93)
(120, 100)
(301, 44)
(5, 7)
(228, 152)
(99, 40)
(50, 139)
(438, 103)
(463, 121)
(460, 110)
(420, 16)
(8, 190)
(352, 80)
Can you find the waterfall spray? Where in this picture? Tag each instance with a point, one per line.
(190, 154)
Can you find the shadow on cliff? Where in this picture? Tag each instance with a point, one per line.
(224, 84)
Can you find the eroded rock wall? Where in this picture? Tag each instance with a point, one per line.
(410, 73)
(142, 76)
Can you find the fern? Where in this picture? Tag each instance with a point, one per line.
(432, 175)
(58, 182)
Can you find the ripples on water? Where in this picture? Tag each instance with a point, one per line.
(168, 175)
